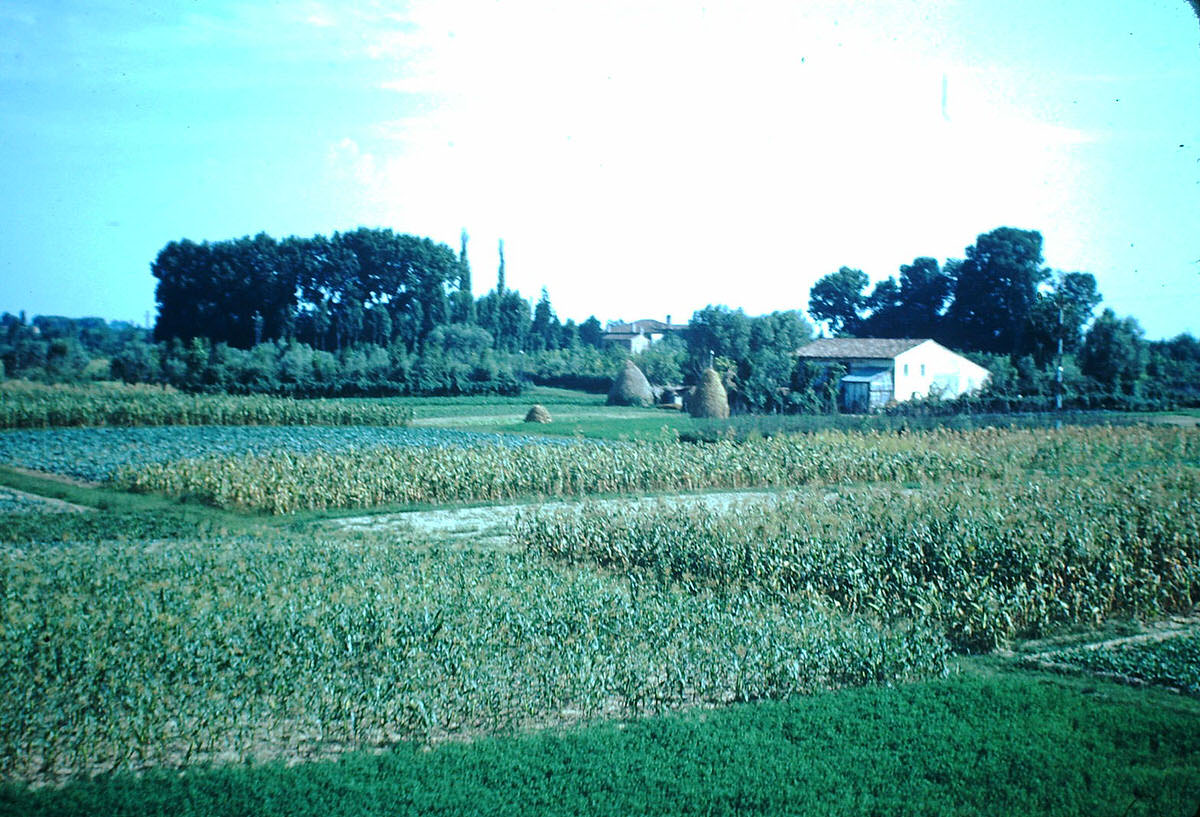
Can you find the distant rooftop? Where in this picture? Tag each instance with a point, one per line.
(858, 348)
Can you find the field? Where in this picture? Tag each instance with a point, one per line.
(804, 612)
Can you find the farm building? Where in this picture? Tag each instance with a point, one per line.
(637, 336)
(880, 370)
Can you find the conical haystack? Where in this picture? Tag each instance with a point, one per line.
(710, 399)
(537, 414)
(630, 388)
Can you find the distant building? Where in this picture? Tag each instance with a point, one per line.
(882, 370)
(638, 336)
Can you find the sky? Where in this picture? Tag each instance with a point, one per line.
(637, 158)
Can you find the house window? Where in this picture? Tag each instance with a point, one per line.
(906, 370)
(922, 370)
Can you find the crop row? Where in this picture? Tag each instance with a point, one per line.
(285, 481)
(28, 405)
(986, 562)
(178, 652)
(96, 454)
(1173, 662)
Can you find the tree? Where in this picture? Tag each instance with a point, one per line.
(500, 272)
(545, 332)
(996, 291)
(591, 333)
(717, 331)
(1114, 354)
(924, 290)
(838, 300)
(1063, 311)
(463, 301)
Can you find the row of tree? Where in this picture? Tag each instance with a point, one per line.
(374, 312)
(368, 286)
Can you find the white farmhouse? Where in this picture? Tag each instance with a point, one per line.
(638, 336)
(880, 370)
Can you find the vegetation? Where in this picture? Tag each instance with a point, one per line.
(136, 653)
(374, 313)
(983, 564)
(1172, 662)
(283, 481)
(970, 745)
(97, 454)
(32, 405)
(1012, 315)
(292, 638)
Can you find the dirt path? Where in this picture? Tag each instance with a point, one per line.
(492, 525)
(1048, 659)
(15, 501)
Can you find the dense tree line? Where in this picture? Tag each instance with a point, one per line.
(1001, 306)
(375, 312)
(368, 286)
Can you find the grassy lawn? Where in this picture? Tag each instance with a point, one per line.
(573, 414)
(980, 742)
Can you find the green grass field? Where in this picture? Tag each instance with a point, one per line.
(162, 656)
(978, 743)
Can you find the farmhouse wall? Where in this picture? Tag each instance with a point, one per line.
(932, 366)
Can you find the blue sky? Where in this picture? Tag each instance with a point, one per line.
(638, 158)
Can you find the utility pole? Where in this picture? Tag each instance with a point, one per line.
(1058, 375)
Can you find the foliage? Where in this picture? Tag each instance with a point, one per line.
(912, 309)
(944, 746)
(1113, 353)
(284, 481)
(129, 654)
(917, 416)
(755, 356)
(97, 454)
(838, 300)
(56, 349)
(356, 287)
(30, 405)
(995, 290)
(665, 361)
(985, 563)
(1173, 662)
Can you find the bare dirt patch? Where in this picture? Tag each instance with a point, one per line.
(14, 501)
(492, 525)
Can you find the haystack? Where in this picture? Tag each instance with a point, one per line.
(631, 388)
(709, 399)
(537, 414)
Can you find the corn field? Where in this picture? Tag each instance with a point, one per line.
(985, 562)
(284, 481)
(124, 655)
(31, 405)
(888, 551)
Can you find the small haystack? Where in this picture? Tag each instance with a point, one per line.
(631, 388)
(537, 414)
(709, 399)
